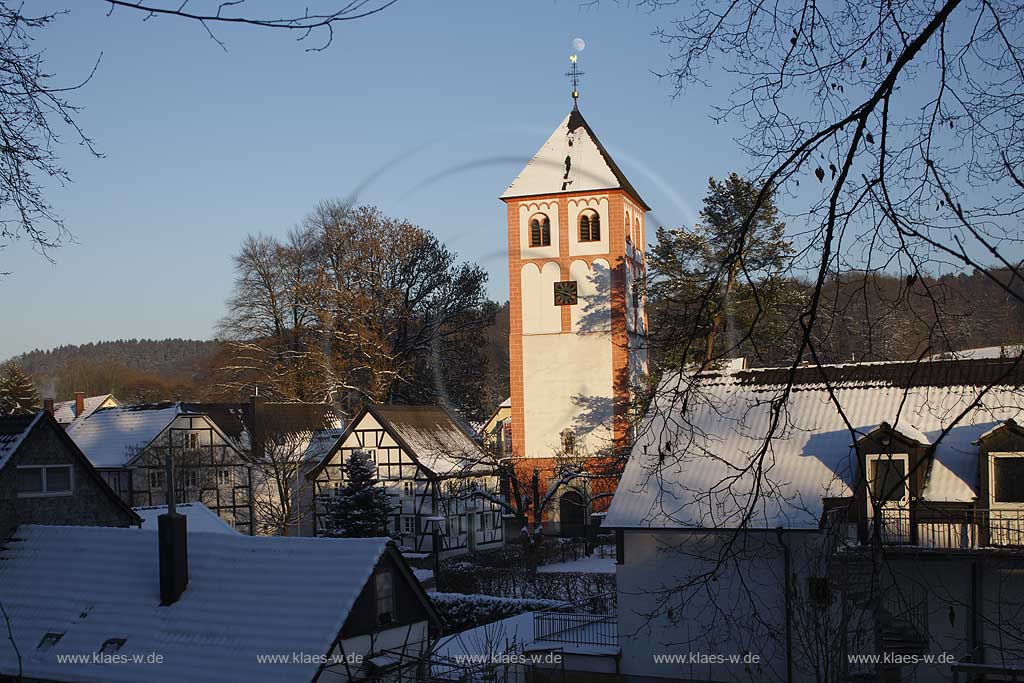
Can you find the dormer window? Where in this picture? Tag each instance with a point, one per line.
(1007, 482)
(540, 231)
(590, 226)
(888, 482)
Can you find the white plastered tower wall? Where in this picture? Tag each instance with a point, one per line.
(572, 363)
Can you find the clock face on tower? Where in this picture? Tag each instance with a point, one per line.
(565, 293)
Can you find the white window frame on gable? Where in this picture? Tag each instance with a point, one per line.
(224, 477)
(408, 525)
(992, 502)
(870, 458)
(46, 489)
(408, 489)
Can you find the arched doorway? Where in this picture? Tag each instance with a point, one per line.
(572, 514)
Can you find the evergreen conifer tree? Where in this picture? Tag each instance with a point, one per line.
(361, 508)
(18, 393)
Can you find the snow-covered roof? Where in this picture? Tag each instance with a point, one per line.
(64, 411)
(246, 597)
(200, 517)
(321, 443)
(571, 160)
(704, 478)
(13, 430)
(433, 436)
(110, 437)
(1005, 351)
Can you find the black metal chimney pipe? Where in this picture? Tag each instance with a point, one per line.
(173, 538)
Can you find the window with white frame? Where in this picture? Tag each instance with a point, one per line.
(190, 478)
(1006, 479)
(44, 480)
(224, 476)
(156, 480)
(408, 488)
(888, 480)
(190, 440)
(408, 524)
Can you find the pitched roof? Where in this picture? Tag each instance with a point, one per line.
(111, 437)
(200, 517)
(437, 438)
(571, 160)
(240, 422)
(703, 478)
(13, 430)
(434, 436)
(246, 596)
(64, 411)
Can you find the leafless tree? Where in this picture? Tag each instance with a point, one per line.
(891, 133)
(220, 12)
(37, 116)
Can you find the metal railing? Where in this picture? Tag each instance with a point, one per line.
(575, 629)
(964, 529)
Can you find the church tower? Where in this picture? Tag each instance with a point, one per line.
(576, 236)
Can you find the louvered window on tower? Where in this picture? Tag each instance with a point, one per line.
(540, 231)
(590, 227)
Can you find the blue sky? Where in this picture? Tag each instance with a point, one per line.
(430, 107)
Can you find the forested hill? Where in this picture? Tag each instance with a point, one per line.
(114, 366)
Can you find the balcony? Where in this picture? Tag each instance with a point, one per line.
(962, 529)
(577, 631)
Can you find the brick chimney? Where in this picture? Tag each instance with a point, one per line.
(172, 533)
(79, 403)
(48, 405)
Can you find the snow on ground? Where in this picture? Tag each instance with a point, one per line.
(586, 565)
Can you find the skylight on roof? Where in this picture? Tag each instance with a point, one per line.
(48, 641)
(111, 645)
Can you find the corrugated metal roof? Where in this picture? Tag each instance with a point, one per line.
(246, 596)
(711, 473)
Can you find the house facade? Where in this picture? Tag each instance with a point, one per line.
(129, 445)
(45, 479)
(437, 475)
(255, 609)
(824, 524)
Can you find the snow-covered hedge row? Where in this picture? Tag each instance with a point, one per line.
(461, 611)
(597, 591)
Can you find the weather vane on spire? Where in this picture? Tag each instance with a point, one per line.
(575, 73)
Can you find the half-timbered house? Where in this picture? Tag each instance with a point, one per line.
(129, 446)
(440, 479)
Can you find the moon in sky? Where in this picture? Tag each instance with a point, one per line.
(578, 44)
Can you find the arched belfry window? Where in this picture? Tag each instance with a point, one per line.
(590, 226)
(540, 231)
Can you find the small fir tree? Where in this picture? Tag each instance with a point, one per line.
(361, 508)
(18, 393)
